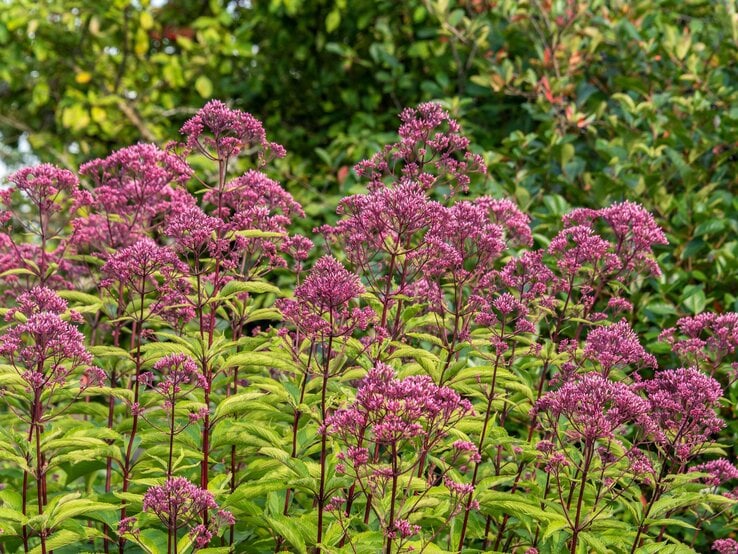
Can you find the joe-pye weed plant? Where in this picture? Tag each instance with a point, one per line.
(183, 373)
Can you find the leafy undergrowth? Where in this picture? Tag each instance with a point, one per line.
(178, 375)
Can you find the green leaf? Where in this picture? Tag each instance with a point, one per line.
(260, 359)
(285, 527)
(332, 20)
(238, 403)
(232, 288)
(75, 507)
(567, 153)
(204, 86)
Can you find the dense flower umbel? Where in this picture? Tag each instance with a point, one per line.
(392, 410)
(322, 303)
(635, 234)
(683, 402)
(133, 186)
(179, 503)
(44, 349)
(178, 370)
(580, 246)
(432, 151)
(706, 338)
(387, 221)
(617, 346)
(43, 185)
(220, 132)
(255, 212)
(145, 268)
(725, 546)
(38, 299)
(595, 408)
(463, 241)
(719, 472)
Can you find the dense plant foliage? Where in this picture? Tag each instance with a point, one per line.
(574, 103)
(178, 375)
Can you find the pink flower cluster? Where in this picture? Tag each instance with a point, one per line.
(705, 338)
(132, 187)
(220, 132)
(45, 349)
(432, 151)
(323, 302)
(683, 402)
(179, 503)
(389, 410)
(595, 408)
(618, 346)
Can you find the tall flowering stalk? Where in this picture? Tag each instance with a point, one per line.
(175, 376)
(52, 196)
(591, 414)
(388, 432)
(180, 504)
(48, 356)
(385, 232)
(324, 313)
(683, 403)
(147, 281)
(243, 207)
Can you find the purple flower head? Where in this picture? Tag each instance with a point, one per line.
(530, 278)
(683, 402)
(336, 503)
(298, 248)
(720, 472)
(43, 185)
(93, 376)
(466, 448)
(323, 302)
(463, 241)
(578, 247)
(639, 462)
(393, 410)
(141, 170)
(329, 285)
(507, 215)
(45, 350)
(192, 229)
(256, 212)
(403, 529)
(220, 132)
(616, 346)
(126, 525)
(382, 222)
(706, 337)
(725, 546)
(637, 232)
(256, 201)
(178, 370)
(431, 151)
(178, 502)
(595, 408)
(634, 230)
(505, 310)
(145, 268)
(39, 299)
(133, 186)
(201, 535)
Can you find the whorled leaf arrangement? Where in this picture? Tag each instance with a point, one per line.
(441, 379)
